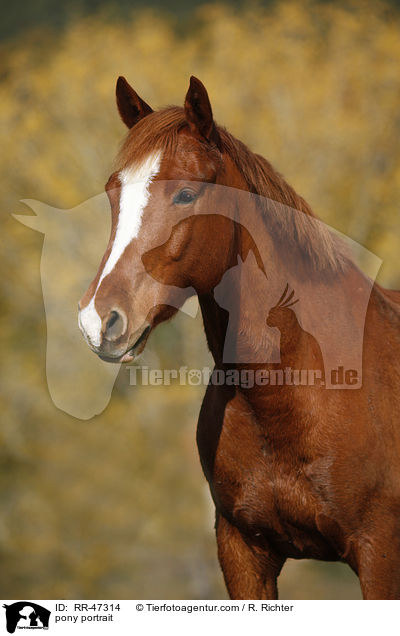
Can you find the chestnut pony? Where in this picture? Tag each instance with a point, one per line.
(294, 471)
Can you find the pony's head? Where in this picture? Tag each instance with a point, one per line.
(164, 244)
(182, 196)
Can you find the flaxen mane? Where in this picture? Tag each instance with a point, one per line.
(287, 214)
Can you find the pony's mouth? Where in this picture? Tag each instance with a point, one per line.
(133, 351)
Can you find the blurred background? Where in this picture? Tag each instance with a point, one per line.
(116, 506)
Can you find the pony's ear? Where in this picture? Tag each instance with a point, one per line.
(198, 112)
(131, 107)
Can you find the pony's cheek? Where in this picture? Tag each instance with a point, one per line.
(171, 253)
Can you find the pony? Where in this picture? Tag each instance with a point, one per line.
(294, 471)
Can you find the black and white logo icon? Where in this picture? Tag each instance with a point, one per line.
(26, 615)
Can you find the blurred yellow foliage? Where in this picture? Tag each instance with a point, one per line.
(116, 507)
(315, 88)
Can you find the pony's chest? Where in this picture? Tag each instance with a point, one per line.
(263, 493)
(259, 490)
(267, 500)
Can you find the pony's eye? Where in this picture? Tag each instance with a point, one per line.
(185, 196)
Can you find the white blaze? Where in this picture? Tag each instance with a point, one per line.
(134, 197)
(135, 182)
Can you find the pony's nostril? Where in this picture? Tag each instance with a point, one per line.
(112, 319)
(115, 325)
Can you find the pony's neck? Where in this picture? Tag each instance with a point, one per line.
(235, 312)
(332, 303)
